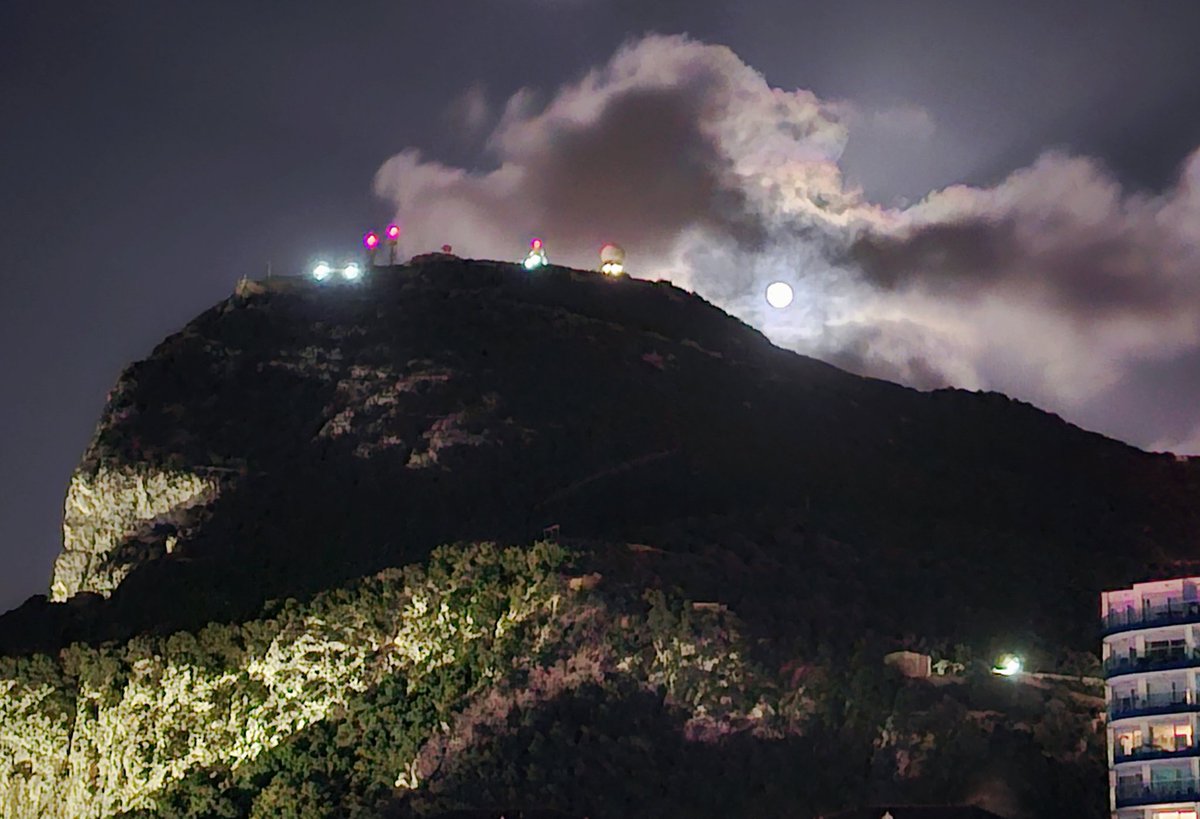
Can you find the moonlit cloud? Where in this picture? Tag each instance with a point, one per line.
(1055, 286)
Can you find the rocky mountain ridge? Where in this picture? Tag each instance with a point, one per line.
(298, 439)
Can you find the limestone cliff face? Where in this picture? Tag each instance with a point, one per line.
(116, 519)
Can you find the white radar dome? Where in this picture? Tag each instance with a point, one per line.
(613, 254)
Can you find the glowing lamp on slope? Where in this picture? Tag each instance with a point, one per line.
(351, 272)
(1008, 666)
(392, 233)
(321, 271)
(371, 240)
(779, 295)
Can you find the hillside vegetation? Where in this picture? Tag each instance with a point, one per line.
(496, 677)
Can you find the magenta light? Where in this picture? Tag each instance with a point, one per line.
(536, 244)
(393, 232)
(371, 241)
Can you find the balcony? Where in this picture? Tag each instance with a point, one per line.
(1145, 705)
(1175, 612)
(1147, 753)
(1183, 789)
(1151, 661)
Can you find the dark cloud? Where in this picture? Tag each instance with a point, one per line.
(967, 256)
(643, 170)
(670, 138)
(1090, 275)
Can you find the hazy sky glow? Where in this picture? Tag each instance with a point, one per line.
(990, 194)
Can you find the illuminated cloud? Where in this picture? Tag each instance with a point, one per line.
(1055, 286)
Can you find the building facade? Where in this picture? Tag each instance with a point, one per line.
(1152, 686)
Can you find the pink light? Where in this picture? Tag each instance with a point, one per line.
(371, 241)
(393, 232)
(536, 244)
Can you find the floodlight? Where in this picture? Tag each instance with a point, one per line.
(351, 271)
(321, 271)
(1008, 666)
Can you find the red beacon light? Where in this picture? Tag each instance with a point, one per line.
(371, 241)
(536, 257)
(393, 232)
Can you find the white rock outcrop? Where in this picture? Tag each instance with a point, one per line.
(107, 508)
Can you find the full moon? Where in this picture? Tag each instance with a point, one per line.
(779, 294)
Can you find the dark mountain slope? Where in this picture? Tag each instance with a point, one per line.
(344, 429)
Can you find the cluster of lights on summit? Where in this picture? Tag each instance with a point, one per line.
(779, 294)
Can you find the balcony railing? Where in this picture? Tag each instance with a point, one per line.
(1184, 789)
(1132, 663)
(1146, 753)
(1140, 705)
(1173, 612)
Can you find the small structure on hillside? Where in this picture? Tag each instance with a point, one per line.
(612, 260)
(910, 664)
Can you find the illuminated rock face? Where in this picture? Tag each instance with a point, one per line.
(115, 519)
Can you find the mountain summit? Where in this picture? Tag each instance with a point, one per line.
(726, 537)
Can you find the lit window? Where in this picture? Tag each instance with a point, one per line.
(1129, 741)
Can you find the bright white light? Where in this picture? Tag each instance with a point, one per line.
(779, 295)
(321, 271)
(1009, 666)
(533, 261)
(612, 268)
(351, 271)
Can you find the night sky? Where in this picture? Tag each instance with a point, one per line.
(152, 153)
